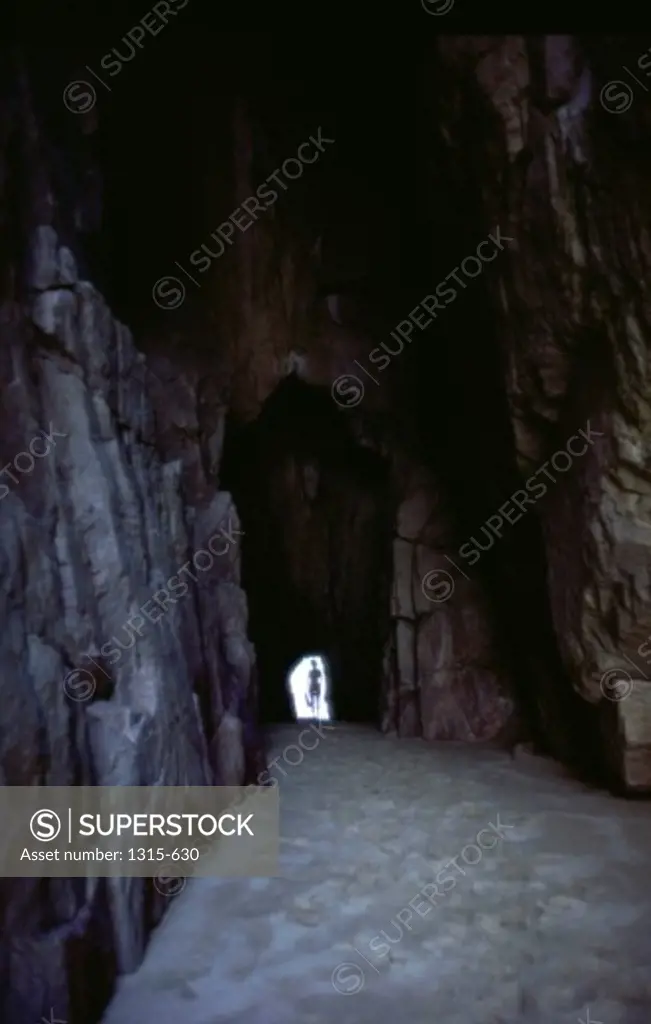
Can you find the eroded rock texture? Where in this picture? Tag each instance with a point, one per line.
(333, 479)
(443, 677)
(567, 182)
(124, 657)
(126, 653)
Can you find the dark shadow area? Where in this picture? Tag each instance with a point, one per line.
(162, 130)
(455, 373)
(315, 555)
(211, 510)
(393, 218)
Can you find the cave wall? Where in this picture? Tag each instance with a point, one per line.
(124, 656)
(568, 182)
(443, 674)
(444, 678)
(316, 565)
(128, 489)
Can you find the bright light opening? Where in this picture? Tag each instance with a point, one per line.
(309, 687)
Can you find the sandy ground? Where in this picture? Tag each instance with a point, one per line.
(418, 882)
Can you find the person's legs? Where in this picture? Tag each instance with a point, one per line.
(314, 700)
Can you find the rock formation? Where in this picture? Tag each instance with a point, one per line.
(157, 483)
(124, 646)
(567, 183)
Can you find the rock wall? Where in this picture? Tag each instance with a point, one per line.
(568, 182)
(443, 677)
(272, 325)
(124, 656)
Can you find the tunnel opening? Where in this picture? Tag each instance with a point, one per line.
(442, 400)
(316, 513)
(362, 250)
(248, 523)
(308, 683)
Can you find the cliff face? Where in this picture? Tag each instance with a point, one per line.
(561, 167)
(124, 652)
(529, 151)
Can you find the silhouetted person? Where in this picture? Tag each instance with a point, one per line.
(314, 691)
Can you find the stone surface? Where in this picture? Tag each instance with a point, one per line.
(625, 724)
(635, 714)
(553, 917)
(107, 645)
(103, 520)
(117, 663)
(575, 204)
(441, 677)
(53, 265)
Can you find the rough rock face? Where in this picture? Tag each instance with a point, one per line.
(442, 677)
(568, 183)
(124, 654)
(118, 665)
(435, 684)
